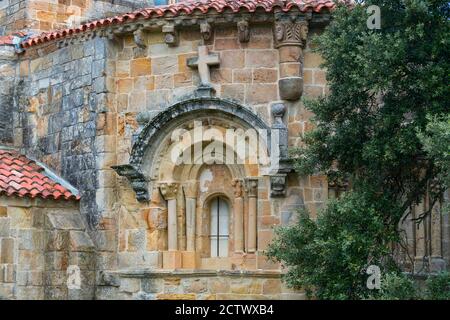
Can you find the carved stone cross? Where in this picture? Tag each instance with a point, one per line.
(203, 62)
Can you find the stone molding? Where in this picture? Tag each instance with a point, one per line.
(151, 133)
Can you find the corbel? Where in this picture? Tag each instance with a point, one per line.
(171, 37)
(243, 31)
(206, 30)
(139, 38)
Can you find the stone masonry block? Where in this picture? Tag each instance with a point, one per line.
(7, 250)
(4, 227)
(80, 241)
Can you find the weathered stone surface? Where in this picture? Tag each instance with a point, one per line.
(64, 221)
(7, 250)
(175, 296)
(4, 227)
(291, 88)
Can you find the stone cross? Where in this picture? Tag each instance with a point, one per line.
(203, 62)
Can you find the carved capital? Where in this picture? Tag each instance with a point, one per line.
(251, 187)
(171, 35)
(243, 31)
(290, 33)
(206, 30)
(238, 188)
(191, 189)
(169, 190)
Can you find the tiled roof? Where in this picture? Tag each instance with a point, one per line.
(188, 8)
(22, 177)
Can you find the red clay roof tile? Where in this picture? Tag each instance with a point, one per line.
(20, 176)
(188, 8)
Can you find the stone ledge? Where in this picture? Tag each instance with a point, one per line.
(155, 273)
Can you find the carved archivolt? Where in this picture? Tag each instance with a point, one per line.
(148, 153)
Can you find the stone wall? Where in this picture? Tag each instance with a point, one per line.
(80, 112)
(39, 240)
(199, 285)
(7, 91)
(64, 100)
(46, 15)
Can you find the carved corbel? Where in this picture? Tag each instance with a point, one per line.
(278, 185)
(139, 38)
(206, 30)
(243, 31)
(171, 37)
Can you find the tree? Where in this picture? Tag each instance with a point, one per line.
(373, 132)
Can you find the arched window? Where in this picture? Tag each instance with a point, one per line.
(220, 220)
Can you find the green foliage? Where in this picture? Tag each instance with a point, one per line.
(379, 130)
(438, 286)
(397, 286)
(328, 257)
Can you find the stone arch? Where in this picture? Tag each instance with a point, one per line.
(149, 143)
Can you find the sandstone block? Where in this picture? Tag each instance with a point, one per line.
(226, 44)
(80, 241)
(7, 250)
(261, 59)
(4, 226)
(265, 75)
(233, 59)
(172, 260)
(189, 296)
(165, 65)
(233, 91)
(290, 70)
(242, 76)
(190, 260)
(261, 93)
(290, 54)
(140, 67)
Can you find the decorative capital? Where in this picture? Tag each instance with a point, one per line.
(238, 188)
(190, 189)
(278, 185)
(251, 187)
(243, 31)
(288, 33)
(169, 190)
(171, 35)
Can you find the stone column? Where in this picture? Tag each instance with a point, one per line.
(290, 39)
(169, 192)
(238, 217)
(252, 192)
(190, 192)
